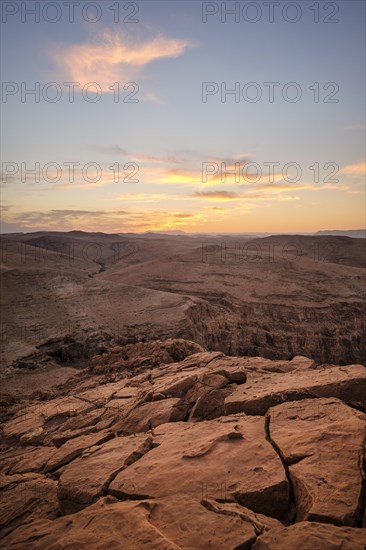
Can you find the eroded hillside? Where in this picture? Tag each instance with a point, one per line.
(275, 297)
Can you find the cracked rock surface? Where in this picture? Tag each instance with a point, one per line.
(188, 449)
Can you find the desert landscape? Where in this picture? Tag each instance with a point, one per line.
(186, 391)
(182, 275)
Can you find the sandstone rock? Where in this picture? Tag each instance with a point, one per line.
(209, 405)
(260, 364)
(55, 411)
(142, 355)
(23, 460)
(259, 522)
(312, 536)
(125, 392)
(75, 426)
(150, 415)
(169, 524)
(322, 442)
(172, 391)
(45, 415)
(23, 423)
(101, 394)
(74, 448)
(225, 458)
(200, 380)
(106, 524)
(189, 524)
(172, 384)
(152, 428)
(33, 437)
(26, 498)
(104, 392)
(88, 476)
(262, 391)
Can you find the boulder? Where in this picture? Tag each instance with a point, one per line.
(322, 443)
(88, 476)
(168, 524)
(25, 498)
(226, 459)
(263, 391)
(312, 536)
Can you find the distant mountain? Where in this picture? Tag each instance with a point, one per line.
(355, 233)
(157, 234)
(166, 232)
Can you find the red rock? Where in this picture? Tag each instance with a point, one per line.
(312, 536)
(25, 498)
(322, 441)
(225, 458)
(263, 391)
(87, 477)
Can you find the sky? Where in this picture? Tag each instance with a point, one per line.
(183, 115)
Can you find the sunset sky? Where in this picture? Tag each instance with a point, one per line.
(171, 144)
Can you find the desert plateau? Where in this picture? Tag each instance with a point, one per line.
(185, 391)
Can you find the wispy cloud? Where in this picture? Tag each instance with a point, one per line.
(218, 172)
(113, 57)
(358, 169)
(114, 221)
(229, 195)
(220, 195)
(117, 151)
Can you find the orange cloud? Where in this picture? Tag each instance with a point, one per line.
(198, 176)
(358, 169)
(113, 58)
(111, 221)
(218, 195)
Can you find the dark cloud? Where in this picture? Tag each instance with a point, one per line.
(217, 195)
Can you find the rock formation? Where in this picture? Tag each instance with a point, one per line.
(163, 445)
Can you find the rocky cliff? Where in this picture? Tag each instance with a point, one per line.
(163, 445)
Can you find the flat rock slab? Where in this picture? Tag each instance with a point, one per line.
(175, 379)
(75, 426)
(190, 525)
(25, 498)
(45, 415)
(322, 442)
(169, 524)
(263, 391)
(220, 459)
(101, 394)
(48, 458)
(23, 460)
(106, 524)
(87, 477)
(259, 522)
(150, 415)
(312, 536)
(74, 448)
(260, 364)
